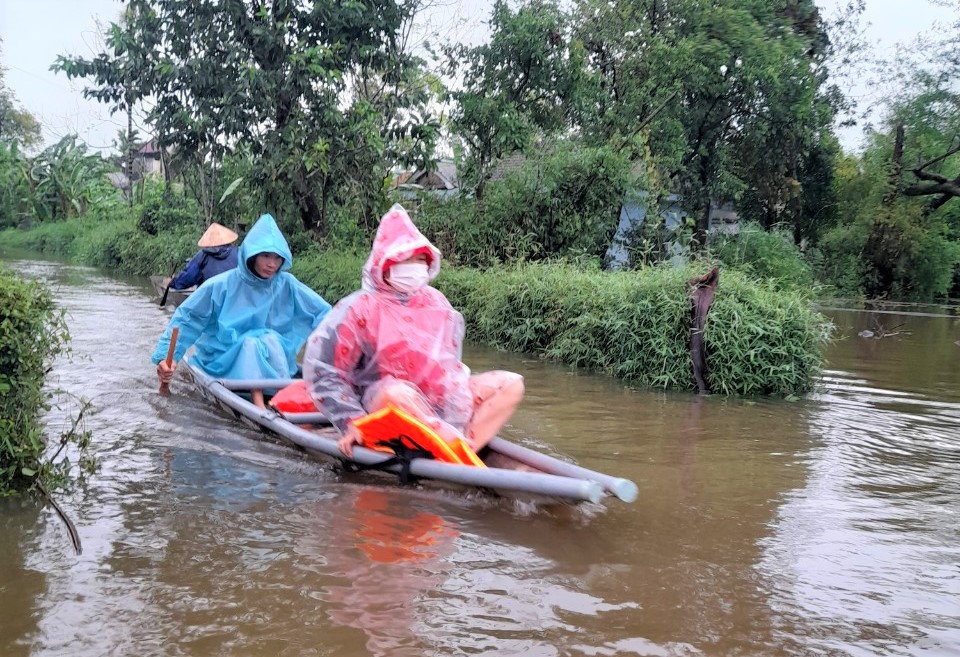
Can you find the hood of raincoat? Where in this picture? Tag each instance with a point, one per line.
(397, 239)
(264, 237)
(243, 326)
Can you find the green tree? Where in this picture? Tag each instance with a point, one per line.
(16, 124)
(748, 106)
(65, 180)
(521, 84)
(900, 197)
(272, 77)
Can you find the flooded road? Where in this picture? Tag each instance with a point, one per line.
(826, 526)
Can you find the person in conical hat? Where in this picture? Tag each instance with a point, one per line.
(398, 341)
(216, 256)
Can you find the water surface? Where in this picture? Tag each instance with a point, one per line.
(827, 526)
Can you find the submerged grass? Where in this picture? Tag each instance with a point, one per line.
(635, 325)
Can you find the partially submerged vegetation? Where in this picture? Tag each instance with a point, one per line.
(32, 334)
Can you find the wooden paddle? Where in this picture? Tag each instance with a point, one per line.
(163, 299)
(165, 387)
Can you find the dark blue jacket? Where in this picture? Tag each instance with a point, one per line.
(206, 264)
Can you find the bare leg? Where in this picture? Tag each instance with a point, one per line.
(406, 397)
(496, 396)
(256, 396)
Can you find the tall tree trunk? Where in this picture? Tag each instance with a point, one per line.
(702, 227)
(129, 164)
(312, 215)
(896, 168)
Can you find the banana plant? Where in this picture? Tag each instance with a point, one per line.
(65, 180)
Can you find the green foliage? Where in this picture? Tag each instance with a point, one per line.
(840, 265)
(163, 211)
(635, 325)
(899, 200)
(892, 243)
(274, 82)
(333, 273)
(51, 238)
(17, 126)
(15, 193)
(564, 202)
(520, 83)
(893, 252)
(113, 243)
(66, 180)
(734, 91)
(32, 333)
(120, 246)
(765, 255)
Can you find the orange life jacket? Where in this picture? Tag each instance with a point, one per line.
(294, 399)
(389, 428)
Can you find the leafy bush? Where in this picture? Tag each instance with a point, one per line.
(635, 325)
(766, 255)
(162, 212)
(333, 273)
(65, 181)
(51, 238)
(32, 333)
(564, 202)
(15, 206)
(896, 252)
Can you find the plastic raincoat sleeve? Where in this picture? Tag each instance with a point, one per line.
(458, 401)
(192, 317)
(190, 275)
(333, 352)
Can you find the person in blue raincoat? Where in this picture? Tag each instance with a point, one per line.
(216, 255)
(249, 322)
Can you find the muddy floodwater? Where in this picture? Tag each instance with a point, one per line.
(824, 526)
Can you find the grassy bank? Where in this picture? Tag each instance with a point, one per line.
(760, 340)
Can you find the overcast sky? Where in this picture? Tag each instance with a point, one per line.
(34, 32)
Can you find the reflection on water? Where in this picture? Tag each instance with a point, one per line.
(869, 546)
(822, 527)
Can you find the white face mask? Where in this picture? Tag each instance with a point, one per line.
(408, 277)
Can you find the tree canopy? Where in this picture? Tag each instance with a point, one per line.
(273, 78)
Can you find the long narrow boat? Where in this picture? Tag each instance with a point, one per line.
(174, 297)
(512, 470)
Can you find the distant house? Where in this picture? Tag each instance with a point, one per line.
(147, 161)
(443, 177)
(440, 181)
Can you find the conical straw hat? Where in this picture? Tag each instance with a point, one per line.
(216, 235)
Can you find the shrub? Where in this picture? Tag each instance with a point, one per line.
(162, 212)
(332, 273)
(765, 255)
(32, 334)
(895, 252)
(635, 325)
(563, 202)
(15, 206)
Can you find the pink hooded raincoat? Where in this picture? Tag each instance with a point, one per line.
(378, 334)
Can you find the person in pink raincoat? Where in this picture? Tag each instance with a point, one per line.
(398, 341)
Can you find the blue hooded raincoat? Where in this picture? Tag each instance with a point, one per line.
(243, 326)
